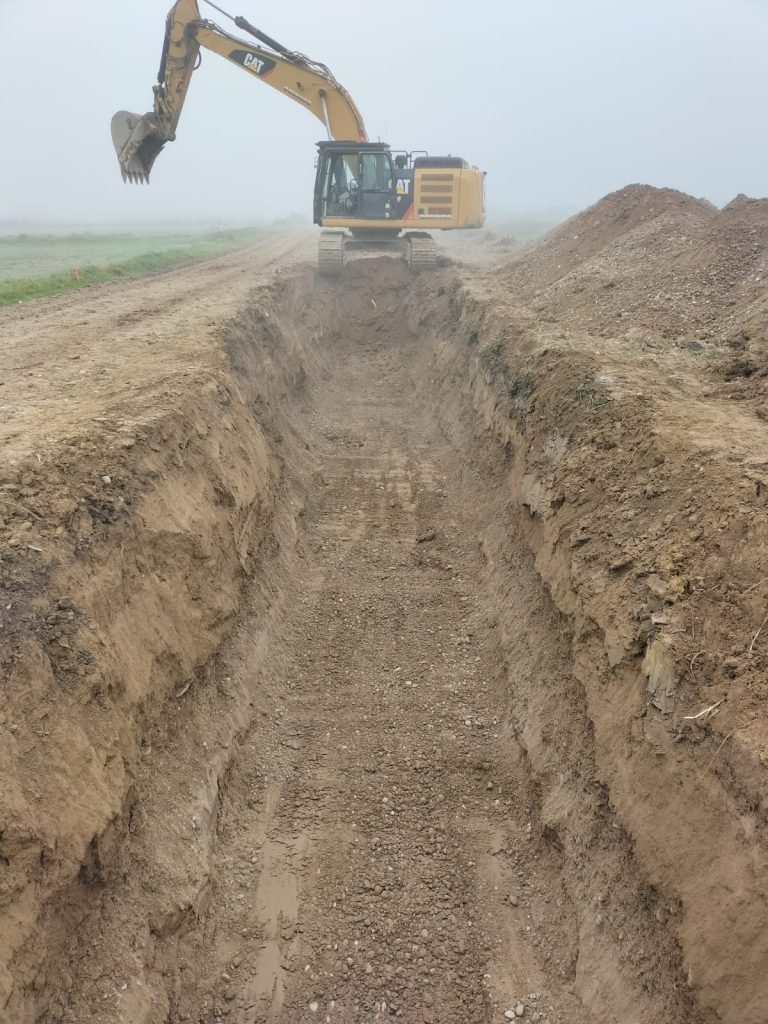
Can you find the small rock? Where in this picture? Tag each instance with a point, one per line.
(106, 479)
(65, 603)
(509, 1015)
(425, 538)
(621, 563)
(580, 539)
(658, 587)
(520, 1010)
(733, 667)
(513, 900)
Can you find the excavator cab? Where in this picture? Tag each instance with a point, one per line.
(356, 182)
(365, 194)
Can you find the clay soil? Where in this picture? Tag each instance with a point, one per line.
(392, 649)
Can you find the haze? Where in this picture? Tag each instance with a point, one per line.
(559, 101)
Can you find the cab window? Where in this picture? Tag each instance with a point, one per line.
(376, 172)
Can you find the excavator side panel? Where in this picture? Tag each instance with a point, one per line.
(447, 198)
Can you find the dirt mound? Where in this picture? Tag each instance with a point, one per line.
(745, 207)
(635, 209)
(742, 229)
(649, 264)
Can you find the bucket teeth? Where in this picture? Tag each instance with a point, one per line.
(136, 177)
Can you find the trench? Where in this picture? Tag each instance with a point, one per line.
(378, 799)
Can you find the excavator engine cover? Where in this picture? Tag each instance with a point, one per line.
(138, 143)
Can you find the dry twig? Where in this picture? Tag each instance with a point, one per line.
(693, 661)
(703, 714)
(755, 586)
(714, 756)
(757, 634)
(23, 508)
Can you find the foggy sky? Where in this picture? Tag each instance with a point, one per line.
(560, 101)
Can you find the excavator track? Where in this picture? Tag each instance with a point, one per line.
(421, 251)
(417, 247)
(330, 253)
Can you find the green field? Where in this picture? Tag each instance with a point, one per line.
(32, 266)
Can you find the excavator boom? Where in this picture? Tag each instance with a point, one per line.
(139, 139)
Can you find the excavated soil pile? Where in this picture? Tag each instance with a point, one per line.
(390, 649)
(649, 264)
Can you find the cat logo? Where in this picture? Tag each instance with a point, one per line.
(253, 62)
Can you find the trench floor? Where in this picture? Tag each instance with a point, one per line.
(366, 864)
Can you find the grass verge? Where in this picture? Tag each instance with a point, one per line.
(23, 289)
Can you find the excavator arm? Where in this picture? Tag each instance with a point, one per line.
(138, 140)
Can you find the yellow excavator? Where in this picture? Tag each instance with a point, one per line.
(368, 198)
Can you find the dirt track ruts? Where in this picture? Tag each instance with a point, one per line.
(66, 359)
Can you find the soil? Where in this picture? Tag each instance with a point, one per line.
(391, 648)
(650, 264)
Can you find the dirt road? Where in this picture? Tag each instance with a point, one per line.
(66, 360)
(328, 695)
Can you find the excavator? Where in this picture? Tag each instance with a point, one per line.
(368, 198)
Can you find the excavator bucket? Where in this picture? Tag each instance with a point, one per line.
(138, 141)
